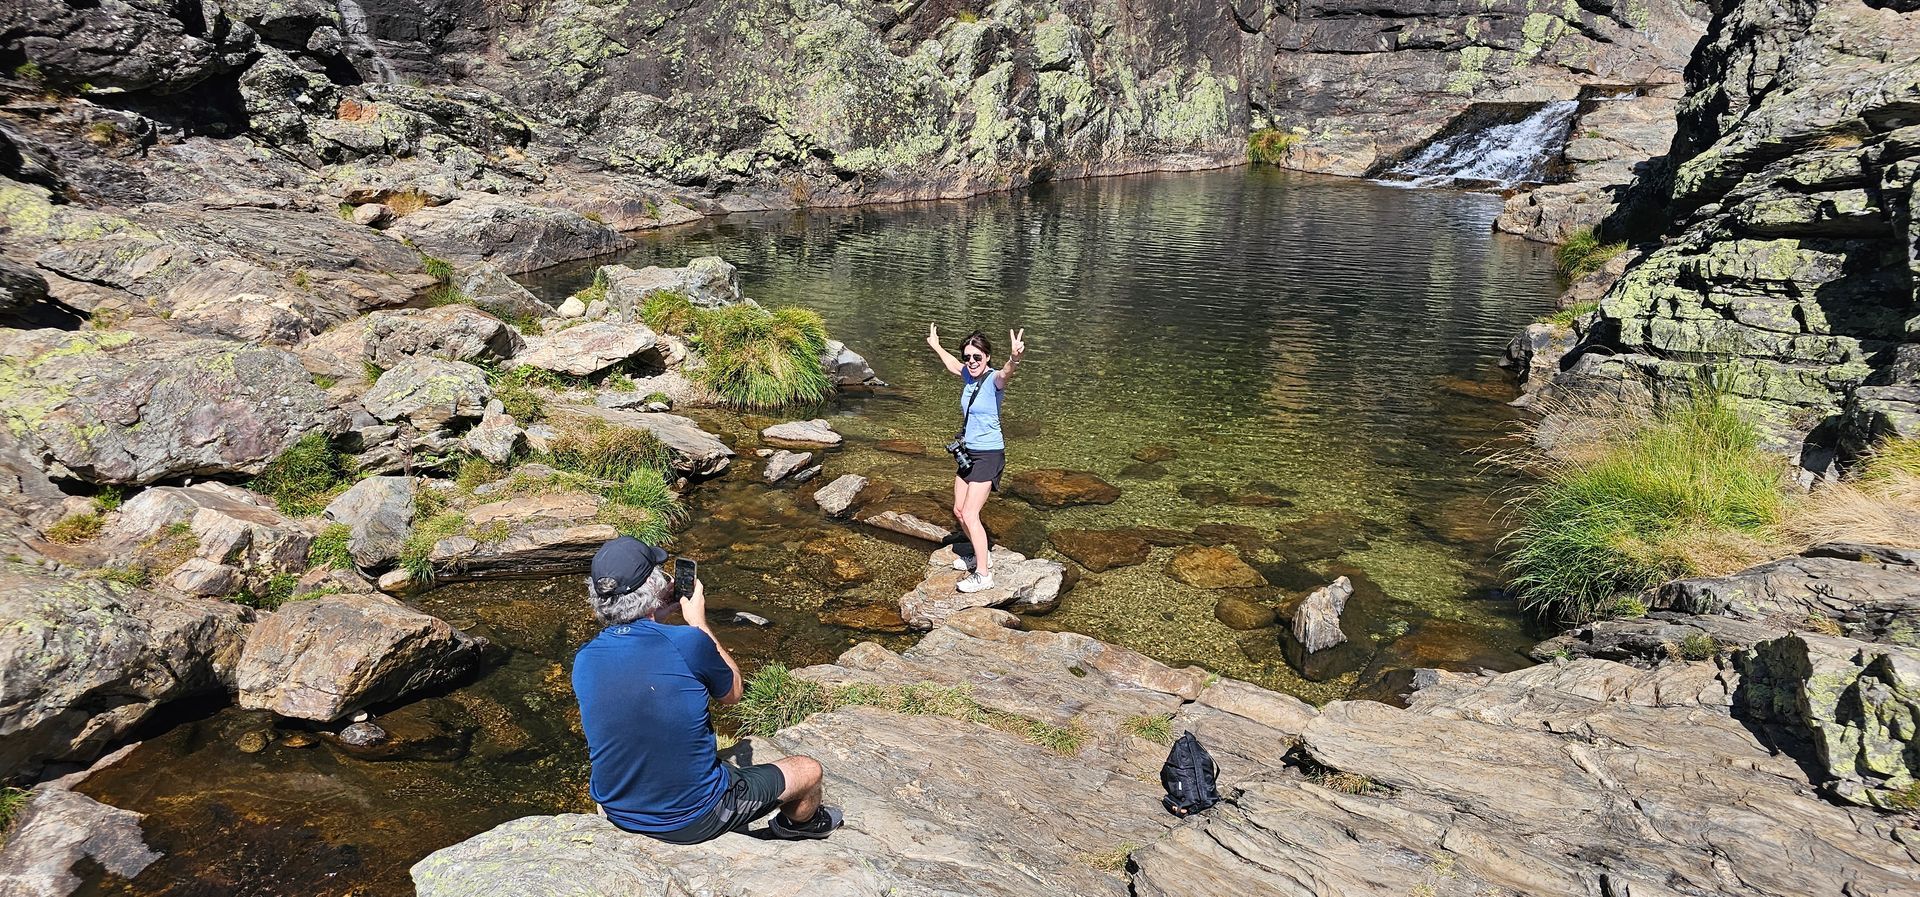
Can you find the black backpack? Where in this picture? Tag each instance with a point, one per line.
(1190, 777)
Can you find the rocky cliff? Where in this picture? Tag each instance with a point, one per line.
(736, 104)
(1790, 267)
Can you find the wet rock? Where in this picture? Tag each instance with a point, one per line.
(1100, 550)
(119, 409)
(1534, 356)
(587, 348)
(803, 432)
(1213, 568)
(846, 367)
(1157, 536)
(451, 332)
(252, 741)
(695, 452)
(915, 514)
(1239, 613)
(512, 235)
(1240, 536)
(380, 512)
(429, 393)
(783, 464)
(423, 731)
(1012, 525)
(324, 658)
(836, 498)
(58, 835)
(866, 618)
(362, 735)
(1020, 583)
(71, 689)
(1057, 488)
(1316, 622)
(1205, 495)
(1155, 453)
(1143, 471)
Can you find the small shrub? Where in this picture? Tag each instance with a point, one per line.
(75, 528)
(620, 381)
(1684, 492)
(1566, 316)
(29, 72)
(761, 359)
(1583, 253)
(131, 576)
(1699, 646)
(670, 311)
(302, 279)
(656, 398)
(109, 498)
(476, 472)
(1157, 728)
(1271, 145)
(276, 591)
(305, 476)
(1627, 607)
(330, 549)
(406, 203)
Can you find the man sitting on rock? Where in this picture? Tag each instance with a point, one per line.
(643, 689)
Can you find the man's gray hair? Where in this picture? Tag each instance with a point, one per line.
(616, 608)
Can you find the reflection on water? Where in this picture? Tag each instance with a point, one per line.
(1306, 358)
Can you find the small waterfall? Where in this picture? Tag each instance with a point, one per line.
(1508, 153)
(354, 20)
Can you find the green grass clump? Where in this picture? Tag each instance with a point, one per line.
(109, 498)
(1566, 316)
(595, 291)
(1686, 492)
(132, 576)
(76, 528)
(642, 506)
(1892, 458)
(29, 71)
(329, 549)
(417, 551)
(1699, 646)
(1270, 145)
(276, 591)
(670, 311)
(603, 451)
(475, 472)
(774, 699)
(520, 391)
(437, 268)
(1154, 727)
(305, 476)
(12, 801)
(1583, 253)
(757, 358)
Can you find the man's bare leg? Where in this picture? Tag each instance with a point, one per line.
(800, 799)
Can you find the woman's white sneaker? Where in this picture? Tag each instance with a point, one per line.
(977, 582)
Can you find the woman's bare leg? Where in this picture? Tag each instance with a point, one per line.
(972, 502)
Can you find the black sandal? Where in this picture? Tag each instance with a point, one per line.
(824, 821)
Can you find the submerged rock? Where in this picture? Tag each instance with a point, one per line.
(1058, 488)
(1239, 613)
(1100, 550)
(1213, 568)
(324, 658)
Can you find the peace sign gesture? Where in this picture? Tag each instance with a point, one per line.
(1017, 343)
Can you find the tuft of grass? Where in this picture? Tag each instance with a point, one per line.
(1348, 783)
(1699, 646)
(76, 528)
(642, 506)
(305, 476)
(1879, 505)
(132, 576)
(670, 311)
(966, 17)
(656, 398)
(1271, 145)
(1684, 491)
(405, 203)
(12, 801)
(476, 472)
(1566, 316)
(437, 268)
(757, 358)
(171, 546)
(603, 451)
(417, 551)
(1582, 254)
(1154, 727)
(29, 72)
(521, 391)
(1627, 607)
(329, 549)
(1114, 860)
(371, 372)
(109, 498)
(1824, 625)
(774, 699)
(276, 591)
(595, 291)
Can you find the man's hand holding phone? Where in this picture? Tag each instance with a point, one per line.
(691, 592)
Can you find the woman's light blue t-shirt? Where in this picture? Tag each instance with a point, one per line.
(983, 418)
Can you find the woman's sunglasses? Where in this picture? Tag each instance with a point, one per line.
(973, 356)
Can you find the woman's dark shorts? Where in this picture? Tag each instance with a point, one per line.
(988, 464)
(752, 792)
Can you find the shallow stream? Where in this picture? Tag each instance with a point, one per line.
(1313, 357)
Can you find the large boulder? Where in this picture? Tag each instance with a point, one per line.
(510, 234)
(588, 348)
(141, 46)
(429, 393)
(452, 332)
(324, 658)
(1855, 703)
(86, 662)
(115, 408)
(492, 291)
(707, 281)
(379, 510)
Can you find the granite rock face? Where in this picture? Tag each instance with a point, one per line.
(1788, 270)
(323, 658)
(86, 662)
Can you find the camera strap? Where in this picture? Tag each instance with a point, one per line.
(968, 407)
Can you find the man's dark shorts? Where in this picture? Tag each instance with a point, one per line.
(752, 792)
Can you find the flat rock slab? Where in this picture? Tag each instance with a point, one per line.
(913, 514)
(586, 349)
(1057, 488)
(57, 831)
(1213, 568)
(323, 658)
(539, 548)
(783, 464)
(803, 432)
(512, 235)
(1019, 583)
(1100, 550)
(696, 452)
(836, 498)
(451, 332)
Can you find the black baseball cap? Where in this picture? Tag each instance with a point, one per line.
(622, 565)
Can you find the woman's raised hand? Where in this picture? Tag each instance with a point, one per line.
(1017, 342)
(933, 336)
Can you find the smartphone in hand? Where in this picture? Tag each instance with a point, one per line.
(684, 573)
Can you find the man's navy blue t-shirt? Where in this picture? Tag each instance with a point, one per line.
(643, 690)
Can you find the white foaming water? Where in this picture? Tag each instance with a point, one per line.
(1511, 153)
(354, 18)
